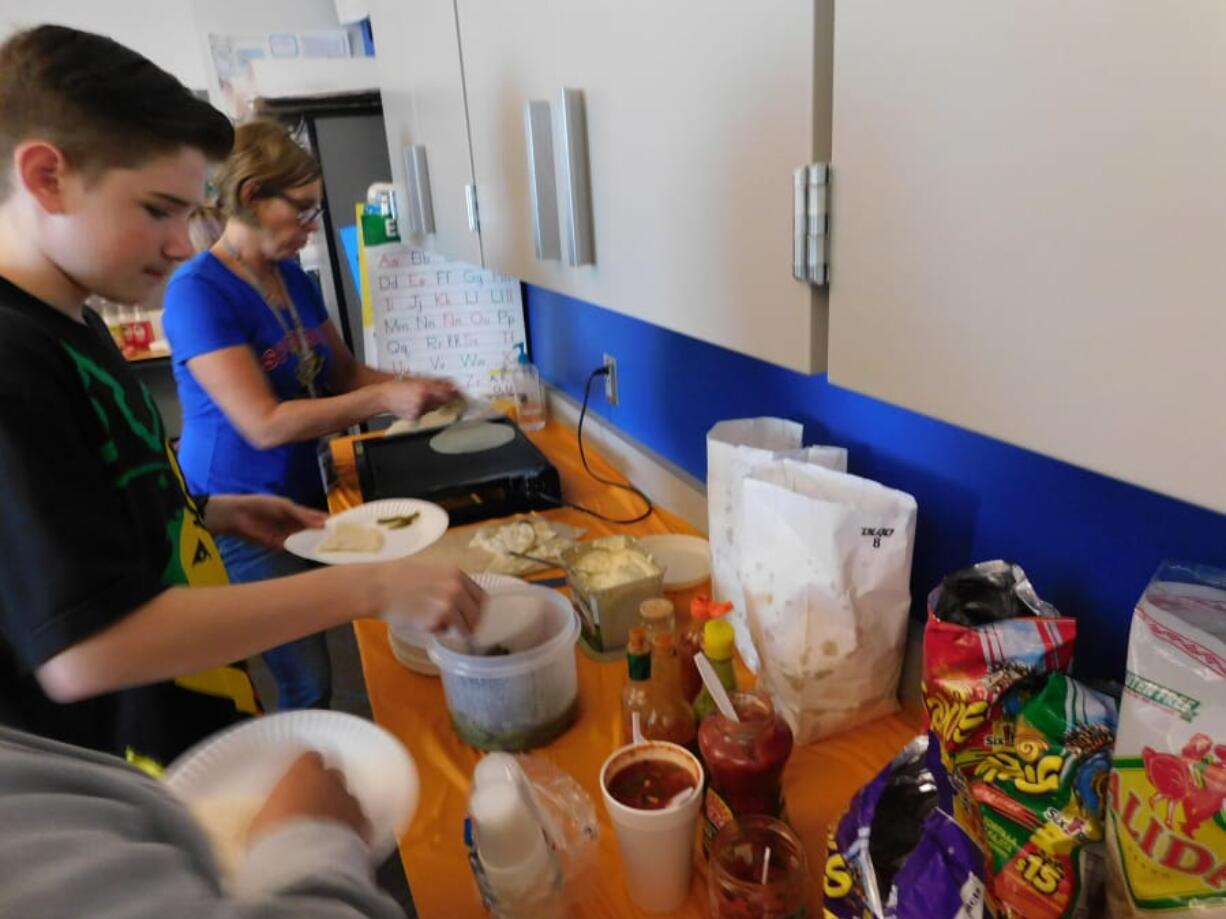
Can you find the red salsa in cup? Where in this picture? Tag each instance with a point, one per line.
(650, 784)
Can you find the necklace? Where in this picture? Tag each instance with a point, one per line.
(310, 364)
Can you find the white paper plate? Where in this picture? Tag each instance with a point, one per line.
(686, 559)
(422, 532)
(409, 644)
(247, 760)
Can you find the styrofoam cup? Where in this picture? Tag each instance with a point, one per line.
(657, 846)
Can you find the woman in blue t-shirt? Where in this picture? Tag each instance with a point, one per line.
(263, 374)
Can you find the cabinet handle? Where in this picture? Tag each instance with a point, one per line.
(470, 201)
(538, 126)
(421, 201)
(576, 181)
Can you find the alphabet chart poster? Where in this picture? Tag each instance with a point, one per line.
(436, 316)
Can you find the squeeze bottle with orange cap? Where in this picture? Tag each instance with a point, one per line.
(689, 643)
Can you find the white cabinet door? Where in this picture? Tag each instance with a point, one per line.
(508, 53)
(696, 119)
(1029, 226)
(423, 103)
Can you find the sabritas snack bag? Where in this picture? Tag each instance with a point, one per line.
(898, 854)
(1167, 817)
(1041, 797)
(989, 645)
(1026, 748)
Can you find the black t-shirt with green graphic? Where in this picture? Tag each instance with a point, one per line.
(94, 522)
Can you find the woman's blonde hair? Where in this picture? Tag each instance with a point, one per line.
(266, 158)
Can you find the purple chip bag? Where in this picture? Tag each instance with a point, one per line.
(942, 877)
(896, 852)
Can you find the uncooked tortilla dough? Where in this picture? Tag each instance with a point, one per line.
(351, 537)
(472, 438)
(440, 417)
(531, 536)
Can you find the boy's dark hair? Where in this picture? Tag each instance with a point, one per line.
(102, 104)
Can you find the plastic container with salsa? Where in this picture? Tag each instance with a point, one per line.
(745, 760)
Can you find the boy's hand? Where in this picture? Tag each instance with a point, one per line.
(309, 790)
(433, 598)
(262, 519)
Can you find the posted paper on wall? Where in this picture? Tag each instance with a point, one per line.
(437, 316)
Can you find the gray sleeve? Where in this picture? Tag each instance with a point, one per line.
(301, 856)
(83, 835)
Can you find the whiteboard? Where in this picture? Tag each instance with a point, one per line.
(436, 316)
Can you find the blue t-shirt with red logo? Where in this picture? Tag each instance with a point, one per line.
(209, 307)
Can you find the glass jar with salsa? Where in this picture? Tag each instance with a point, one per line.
(745, 760)
(758, 870)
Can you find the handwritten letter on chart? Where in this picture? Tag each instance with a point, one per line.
(440, 317)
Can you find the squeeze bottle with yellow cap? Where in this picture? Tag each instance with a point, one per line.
(718, 639)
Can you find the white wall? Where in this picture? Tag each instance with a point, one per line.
(253, 17)
(172, 33)
(162, 30)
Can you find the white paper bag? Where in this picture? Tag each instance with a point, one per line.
(733, 448)
(825, 565)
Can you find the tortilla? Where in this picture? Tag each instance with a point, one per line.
(472, 438)
(445, 414)
(351, 537)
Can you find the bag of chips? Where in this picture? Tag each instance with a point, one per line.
(1167, 823)
(988, 645)
(1041, 796)
(1027, 749)
(898, 854)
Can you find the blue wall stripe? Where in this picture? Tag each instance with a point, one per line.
(1089, 543)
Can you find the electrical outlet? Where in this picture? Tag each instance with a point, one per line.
(610, 380)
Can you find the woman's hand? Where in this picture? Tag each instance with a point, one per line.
(412, 397)
(262, 519)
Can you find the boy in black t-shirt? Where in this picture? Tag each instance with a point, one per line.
(102, 159)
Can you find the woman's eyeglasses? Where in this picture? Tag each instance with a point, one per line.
(308, 211)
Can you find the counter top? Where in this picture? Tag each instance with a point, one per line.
(818, 782)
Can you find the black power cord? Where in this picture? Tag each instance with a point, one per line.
(587, 393)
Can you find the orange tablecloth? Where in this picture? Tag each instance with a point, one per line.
(818, 781)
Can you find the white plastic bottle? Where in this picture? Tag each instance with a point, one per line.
(530, 409)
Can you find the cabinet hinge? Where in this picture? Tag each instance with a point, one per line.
(811, 224)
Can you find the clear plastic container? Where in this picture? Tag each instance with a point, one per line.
(514, 701)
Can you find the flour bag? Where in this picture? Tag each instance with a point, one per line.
(825, 566)
(733, 448)
(1166, 827)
